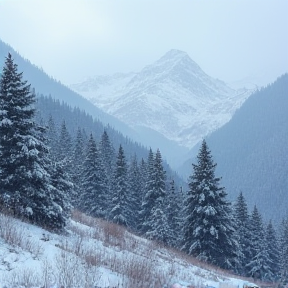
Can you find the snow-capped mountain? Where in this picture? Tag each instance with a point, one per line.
(172, 96)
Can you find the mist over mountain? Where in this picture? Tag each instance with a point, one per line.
(251, 151)
(170, 105)
(57, 100)
(172, 97)
(46, 85)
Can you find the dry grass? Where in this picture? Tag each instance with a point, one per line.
(14, 235)
(138, 261)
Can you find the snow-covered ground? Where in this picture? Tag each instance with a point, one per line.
(95, 253)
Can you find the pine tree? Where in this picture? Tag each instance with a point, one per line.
(209, 230)
(77, 163)
(243, 234)
(149, 195)
(259, 265)
(284, 253)
(107, 153)
(173, 204)
(142, 183)
(120, 214)
(93, 199)
(157, 221)
(25, 182)
(63, 191)
(273, 251)
(64, 145)
(135, 188)
(108, 157)
(52, 137)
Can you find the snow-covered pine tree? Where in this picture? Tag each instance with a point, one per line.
(25, 182)
(259, 265)
(181, 218)
(62, 192)
(135, 188)
(77, 164)
(64, 145)
(273, 251)
(52, 138)
(93, 199)
(157, 220)
(243, 234)
(148, 198)
(173, 208)
(107, 153)
(120, 213)
(108, 156)
(284, 253)
(142, 181)
(209, 228)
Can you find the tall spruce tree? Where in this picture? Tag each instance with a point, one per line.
(157, 220)
(243, 234)
(284, 253)
(108, 157)
(120, 212)
(142, 182)
(52, 138)
(62, 192)
(260, 264)
(209, 230)
(64, 145)
(273, 251)
(107, 153)
(135, 194)
(25, 181)
(77, 163)
(173, 208)
(94, 185)
(149, 195)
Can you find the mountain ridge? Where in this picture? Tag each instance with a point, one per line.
(46, 85)
(251, 151)
(172, 96)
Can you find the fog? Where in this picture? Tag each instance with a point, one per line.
(75, 39)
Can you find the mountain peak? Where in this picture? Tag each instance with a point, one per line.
(175, 54)
(177, 58)
(172, 96)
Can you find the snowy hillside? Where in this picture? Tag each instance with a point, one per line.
(94, 253)
(173, 97)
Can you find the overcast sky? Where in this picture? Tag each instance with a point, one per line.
(75, 39)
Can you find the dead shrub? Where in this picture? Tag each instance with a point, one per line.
(32, 246)
(10, 231)
(80, 217)
(113, 234)
(25, 277)
(142, 273)
(94, 258)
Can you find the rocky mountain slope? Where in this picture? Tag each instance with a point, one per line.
(172, 97)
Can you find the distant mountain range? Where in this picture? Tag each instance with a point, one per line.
(172, 97)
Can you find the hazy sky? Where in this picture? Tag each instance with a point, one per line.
(74, 39)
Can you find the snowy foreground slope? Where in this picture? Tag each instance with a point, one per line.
(94, 253)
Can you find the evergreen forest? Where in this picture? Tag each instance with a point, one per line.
(54, 159)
